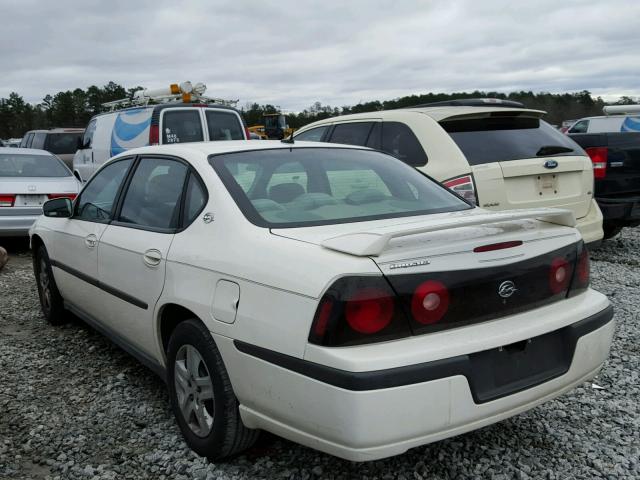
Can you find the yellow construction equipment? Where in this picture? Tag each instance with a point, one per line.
(274, 127)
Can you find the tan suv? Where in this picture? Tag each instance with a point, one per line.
(493, 153)
(62, 142)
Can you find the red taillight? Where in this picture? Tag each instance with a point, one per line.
(430, 302)
(154, 135)
(559, 275)
(369, 310)
(70, 196)
(7, 200)
(498, 246)
(463, 186)
(247, 133)
(598, 156)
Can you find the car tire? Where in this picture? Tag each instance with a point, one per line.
(611, 231)
(51, 301)
(207, 412)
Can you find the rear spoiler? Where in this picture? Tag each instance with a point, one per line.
(375, 241)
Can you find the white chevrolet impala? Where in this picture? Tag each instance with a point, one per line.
(331, 295)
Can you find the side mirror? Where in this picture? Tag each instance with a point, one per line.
(58, 207)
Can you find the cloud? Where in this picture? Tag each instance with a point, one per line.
(292, 54)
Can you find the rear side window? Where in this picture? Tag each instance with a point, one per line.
(38, 140)
(351, 133)
(313, 135)
(152, 199)
(499, 139)
(580, 127)
(397, 139)
(181, 126)
(61, 143)
(224, 126)
(195, 200)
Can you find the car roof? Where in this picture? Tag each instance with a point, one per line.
(436, 113)
(229, 146)
(58, 130)
(25, 151)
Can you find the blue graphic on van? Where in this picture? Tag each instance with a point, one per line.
(130, 130)
(631, 124)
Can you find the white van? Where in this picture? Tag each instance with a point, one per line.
(618, 118)
(111, 133)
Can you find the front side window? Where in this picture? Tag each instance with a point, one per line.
(26, 140)
(313, 135)
(181, 126)
(61, 143)
(224, 126)
(153, 197)
(580, 127)
(32, 166)
(38, 140)
(96, 201)
(319, 186)
(500, 139)
(87, 136)
(351, 133)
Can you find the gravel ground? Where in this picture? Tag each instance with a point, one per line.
(72, 405)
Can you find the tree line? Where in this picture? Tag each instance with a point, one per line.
(74, 108)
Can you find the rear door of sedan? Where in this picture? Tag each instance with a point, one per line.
(134, 247)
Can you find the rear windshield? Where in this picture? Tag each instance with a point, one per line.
(61, 143)
(320, 186)
(32, 166)
(499, 139)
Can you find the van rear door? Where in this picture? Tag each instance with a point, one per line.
(223, 124)
(520, 161)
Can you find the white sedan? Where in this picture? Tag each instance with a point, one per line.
(28, 178)
(331, 295)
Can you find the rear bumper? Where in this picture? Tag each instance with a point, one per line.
(366, 415)
(590, 226)
(16, 225)
(624, 210)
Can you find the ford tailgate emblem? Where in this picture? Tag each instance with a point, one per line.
(550, 164)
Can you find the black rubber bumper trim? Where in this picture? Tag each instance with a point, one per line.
(422, 372)
(113, 291)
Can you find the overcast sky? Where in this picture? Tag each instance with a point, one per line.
(293, 53)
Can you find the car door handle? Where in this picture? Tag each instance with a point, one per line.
(152, 257)
(90, 240)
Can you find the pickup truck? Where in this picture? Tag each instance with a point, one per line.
(616, 168)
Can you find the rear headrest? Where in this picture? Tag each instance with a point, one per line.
(285, 192)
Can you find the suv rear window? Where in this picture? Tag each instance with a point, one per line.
(61, 143)
(499, 139)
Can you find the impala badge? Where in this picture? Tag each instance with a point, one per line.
(550, 164)
(417, 263)
(507, 288)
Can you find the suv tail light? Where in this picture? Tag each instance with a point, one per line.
(464, 187)
(598, 156)
(70, 196)
(7, 200)
(357, 310)
(154, 135)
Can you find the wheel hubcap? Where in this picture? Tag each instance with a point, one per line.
(45, 286)
(194, 390)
